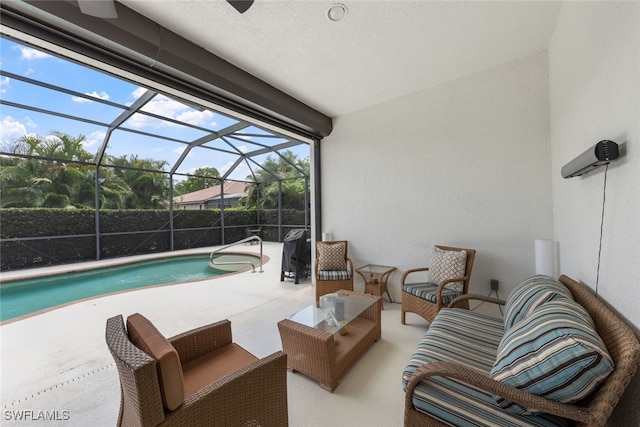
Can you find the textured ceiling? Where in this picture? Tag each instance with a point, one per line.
(381, 50)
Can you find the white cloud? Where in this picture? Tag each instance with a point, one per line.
(224, 168)
(163, 106)
(53, 138)
(10, 130)
(158, 105)
(139, 121)
(6, 82)
(195, 117)
(102, 95)
(30, 123)
(138, 92)
(29, 53)
(166, 107)
(96, 138)
(240, 172)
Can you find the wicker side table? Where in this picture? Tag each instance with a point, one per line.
(375, 279)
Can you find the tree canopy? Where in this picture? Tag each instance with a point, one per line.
(287, 168)
(29, 181)
(203, 178)
(56, 171)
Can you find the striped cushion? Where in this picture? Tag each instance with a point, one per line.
(555, 353)
(531, 294)
(469, 339)
(427, 291)
(334, 275)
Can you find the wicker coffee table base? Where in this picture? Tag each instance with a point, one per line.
(325, 357)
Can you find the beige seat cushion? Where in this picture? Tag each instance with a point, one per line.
(147, 338)
(213, 366)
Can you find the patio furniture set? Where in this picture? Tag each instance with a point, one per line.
(468, 369)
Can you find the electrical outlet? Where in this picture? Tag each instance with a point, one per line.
(494, 284)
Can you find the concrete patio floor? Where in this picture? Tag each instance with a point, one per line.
(57, 365)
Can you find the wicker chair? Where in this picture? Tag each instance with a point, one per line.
(247, 390)
(431, 297)
(333, 269)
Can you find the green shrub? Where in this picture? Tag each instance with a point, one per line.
(72, 237)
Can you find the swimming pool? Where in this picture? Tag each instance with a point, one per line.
(22, 297)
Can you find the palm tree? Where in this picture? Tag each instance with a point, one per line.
(66, 177)
(148, 189)
(114, 191)
(290, 170)
(31, 182)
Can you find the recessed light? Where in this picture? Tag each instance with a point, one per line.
(337, 12)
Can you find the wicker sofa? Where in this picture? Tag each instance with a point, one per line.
(559, 356)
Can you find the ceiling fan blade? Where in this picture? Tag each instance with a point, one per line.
(99, 8)
(240, 5)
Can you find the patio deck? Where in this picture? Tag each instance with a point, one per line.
(58, 362)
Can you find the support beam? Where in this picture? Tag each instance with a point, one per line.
(140, 45)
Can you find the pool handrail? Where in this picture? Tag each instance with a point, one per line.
(213, 263)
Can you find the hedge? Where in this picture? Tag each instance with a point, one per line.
(135, 232)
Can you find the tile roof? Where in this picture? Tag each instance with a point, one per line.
(201, 196)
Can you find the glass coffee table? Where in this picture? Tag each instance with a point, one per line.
(334, 312)
(324, 340)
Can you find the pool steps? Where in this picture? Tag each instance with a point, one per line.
(217, 253)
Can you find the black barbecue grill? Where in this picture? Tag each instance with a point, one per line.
(296, 255)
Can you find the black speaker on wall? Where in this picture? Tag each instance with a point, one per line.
(600, 154)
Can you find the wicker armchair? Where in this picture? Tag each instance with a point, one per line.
(238, 388)
(333, 269)
(427, 298)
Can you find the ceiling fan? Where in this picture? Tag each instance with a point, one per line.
(240, 5)
(106, 9)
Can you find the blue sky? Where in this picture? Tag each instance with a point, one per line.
(26, 61)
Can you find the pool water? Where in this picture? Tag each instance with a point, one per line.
(20, 297)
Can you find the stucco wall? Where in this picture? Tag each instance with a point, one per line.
(594, 67)
(473, 163)
(463, 164)
(594, 62)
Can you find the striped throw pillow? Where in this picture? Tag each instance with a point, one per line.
(531, 294)
(447, 265)
(555, 353)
